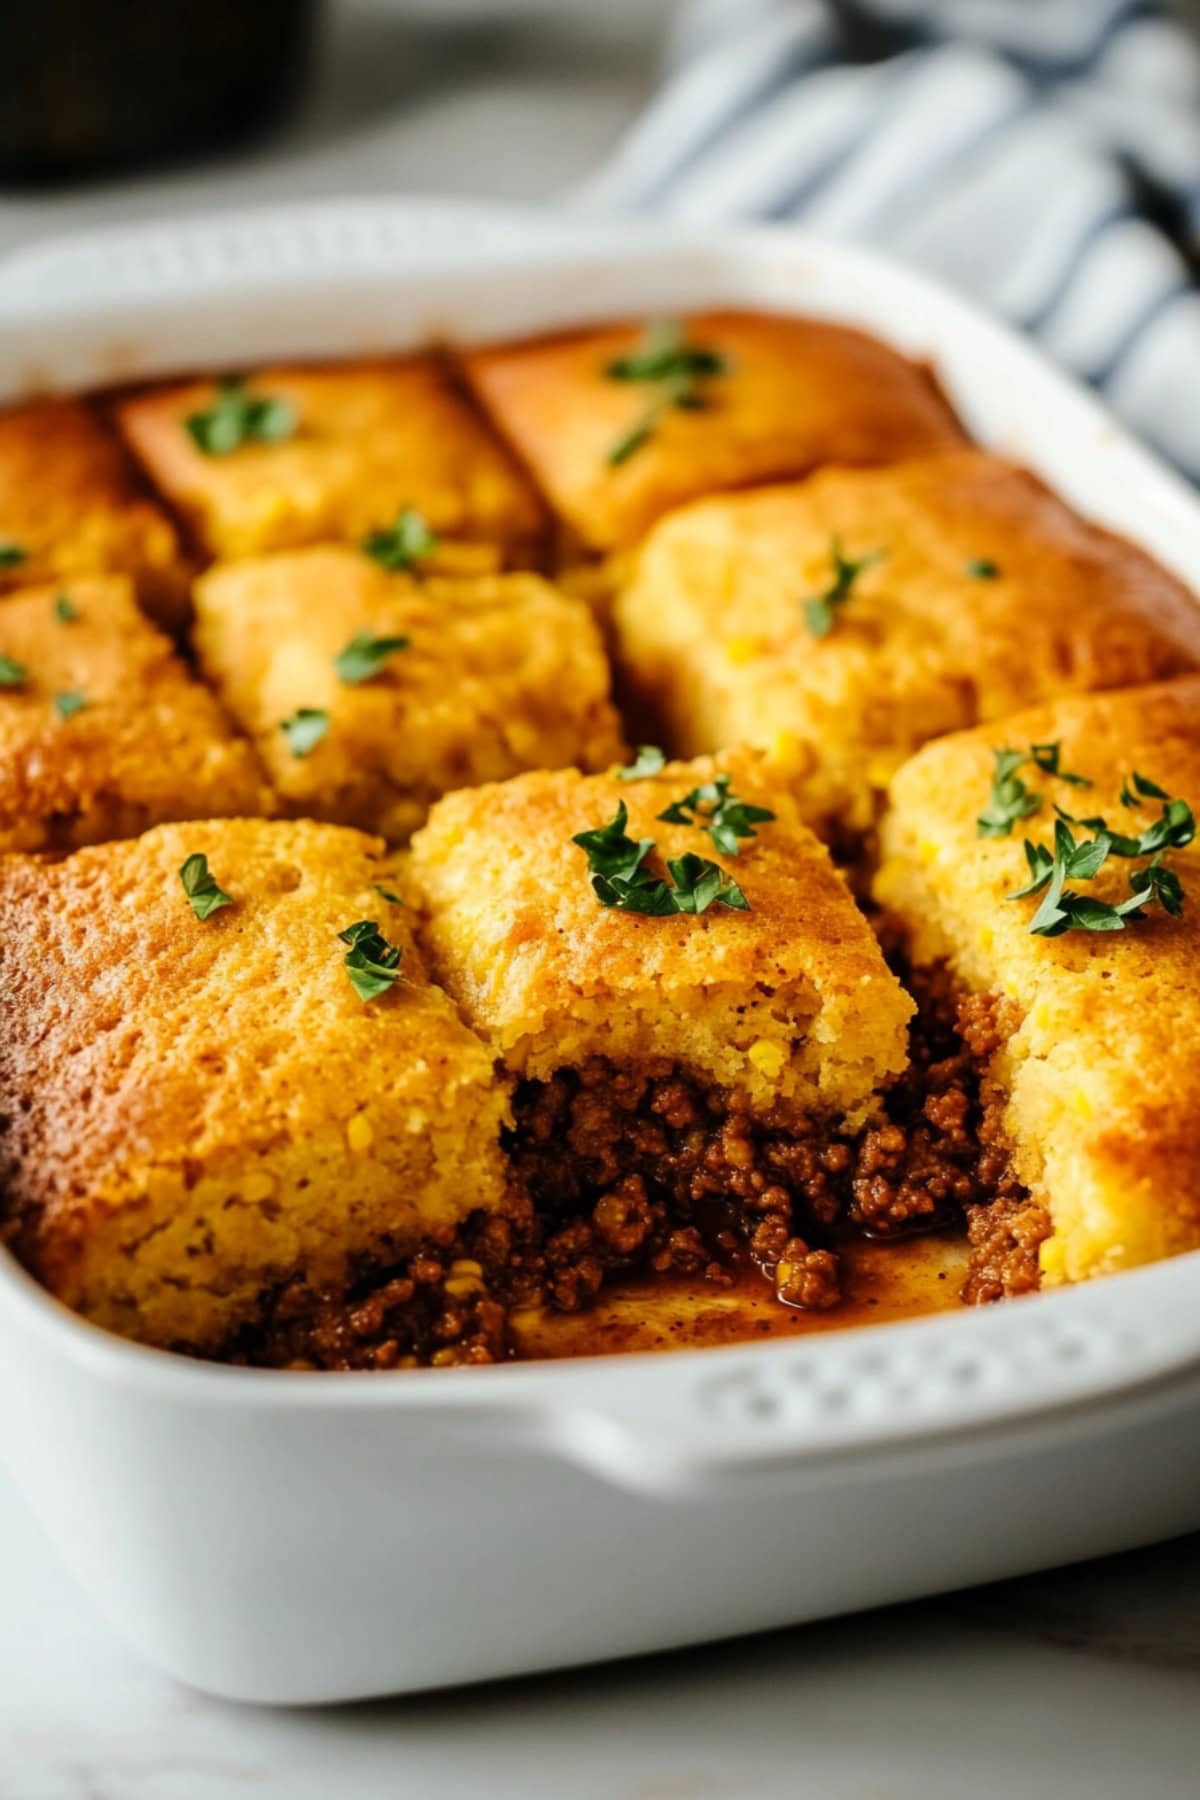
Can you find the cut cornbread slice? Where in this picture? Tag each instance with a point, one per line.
(103, 732)
(195, 1110)
(788, 1003)
(370, 438)
(793, 393)
(1102, 1068)
(490, 676)
(967, 591)
(71, 504)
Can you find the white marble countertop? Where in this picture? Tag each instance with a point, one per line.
(1082, 1684)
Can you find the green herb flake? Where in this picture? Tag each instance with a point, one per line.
(678, 370)
(648, 761)
(719, 811)
(821, 610)
(65, 609)
(1064, 909)
(238, 417)
(304, 729)
(12, 556)
(982, 568)
(616, 863)
(365, 656)
(387, 894)
(1010, 799)
(372, 964)
(204, 896)
(12, 673)
(403, 544)
(665, 354)
(68, 704)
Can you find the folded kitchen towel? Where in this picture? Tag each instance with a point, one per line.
(1041, 155)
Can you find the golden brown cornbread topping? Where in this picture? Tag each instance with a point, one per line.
(276, 1091)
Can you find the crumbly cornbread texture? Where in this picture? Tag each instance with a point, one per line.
(789, 1003)
(105, 732)
(795, 393)
(1103, 1068)
(195, 1110)
(71, 504)
(371, 438)
(986, 594)
(500, 673)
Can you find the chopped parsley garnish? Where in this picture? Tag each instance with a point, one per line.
(387, 894)
(304, 729)
(715, 808)
(820, 610)
(12, 556)
(12, 674)
(1010, 798)
(66, 705)
(1141, 789)
(649, 761)
(238, 417)
(65, 609)
(403, 544)
(982, 568)
(616, 863)
(1064, 909)
(364, 656)
(664, 354)
(204, 896)
(678, 370)
(371, 962)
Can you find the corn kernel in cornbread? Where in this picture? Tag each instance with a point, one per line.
(370, 438)
(497, 674)
(71, 504)
(789, 1003)
(979, 592)
(197, 1110)
(793, 393)
(103, 731)
(1103, 1069)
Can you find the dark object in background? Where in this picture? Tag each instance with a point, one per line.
(92, 85)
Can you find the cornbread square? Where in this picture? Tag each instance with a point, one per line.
(795, 393)
(197, 1110)
(1102, 1067)
(979, 593)
(371, 438)
(789, 1003)
(103, 732)
(499, 674)
(71, 504)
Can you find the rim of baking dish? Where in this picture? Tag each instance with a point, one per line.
(340, 277)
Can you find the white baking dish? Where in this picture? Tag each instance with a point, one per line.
(288, 1537)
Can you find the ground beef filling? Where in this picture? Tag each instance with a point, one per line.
(620, 1169)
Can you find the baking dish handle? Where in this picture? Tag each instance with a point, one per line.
(701, 1423)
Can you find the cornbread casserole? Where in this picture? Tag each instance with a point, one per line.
(584, 1046)
(485, 677)
(71, 504)
(343, 451)
(1099, 1046)
(969, 591)
(198, 1107)
(788, 1003)
(619, 427)
(103, 731)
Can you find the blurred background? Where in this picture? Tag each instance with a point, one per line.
(1041, 155)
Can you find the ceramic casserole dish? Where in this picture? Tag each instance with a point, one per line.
(291, 1537)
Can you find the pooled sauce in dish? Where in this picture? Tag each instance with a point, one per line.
(880, 1284)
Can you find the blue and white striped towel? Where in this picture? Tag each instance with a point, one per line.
(1042, 155)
